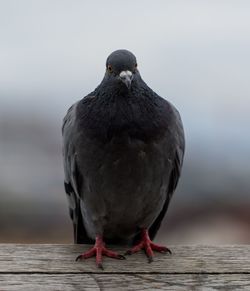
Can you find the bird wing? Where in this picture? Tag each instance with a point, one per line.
(178, 134)
(73, 179)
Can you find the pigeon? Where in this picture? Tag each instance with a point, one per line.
(123, 148)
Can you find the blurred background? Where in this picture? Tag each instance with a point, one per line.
(194, 53)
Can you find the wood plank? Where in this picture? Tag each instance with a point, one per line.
(90, 282)
(52, 259)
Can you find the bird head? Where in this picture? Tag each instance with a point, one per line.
(121, 67)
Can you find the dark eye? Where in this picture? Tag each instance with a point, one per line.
(110, 68)
(135, 65)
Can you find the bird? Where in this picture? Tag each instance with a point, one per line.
(123, 149)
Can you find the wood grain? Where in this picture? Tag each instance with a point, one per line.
(190, 267)
(67, 282)
(185, 259)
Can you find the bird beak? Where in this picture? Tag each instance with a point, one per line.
(126, 77)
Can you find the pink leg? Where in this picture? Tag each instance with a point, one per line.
(146, 244)
(98, 250)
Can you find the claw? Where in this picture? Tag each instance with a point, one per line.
(100, 266)
(78, 258)
(168, 251)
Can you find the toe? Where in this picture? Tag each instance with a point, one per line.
(112, 254)
(149, 251)
(135, 249)
(160, 249)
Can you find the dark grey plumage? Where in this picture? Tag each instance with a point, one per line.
(123, 148)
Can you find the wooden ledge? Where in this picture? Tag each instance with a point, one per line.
(190, 267)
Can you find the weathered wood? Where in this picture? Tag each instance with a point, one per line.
(185, 259)
(70, 282)
(53, 267)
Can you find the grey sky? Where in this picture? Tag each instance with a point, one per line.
(196, 48)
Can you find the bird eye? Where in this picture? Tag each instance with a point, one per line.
(135, 65)
(110, 68)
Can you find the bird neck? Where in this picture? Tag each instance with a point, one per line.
(111, 89)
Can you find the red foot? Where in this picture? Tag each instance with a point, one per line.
(148, 246)
(98, 250)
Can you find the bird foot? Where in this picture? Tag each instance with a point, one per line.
(99, 250)
(146, 244)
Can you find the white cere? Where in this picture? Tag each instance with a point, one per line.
(124, 74)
